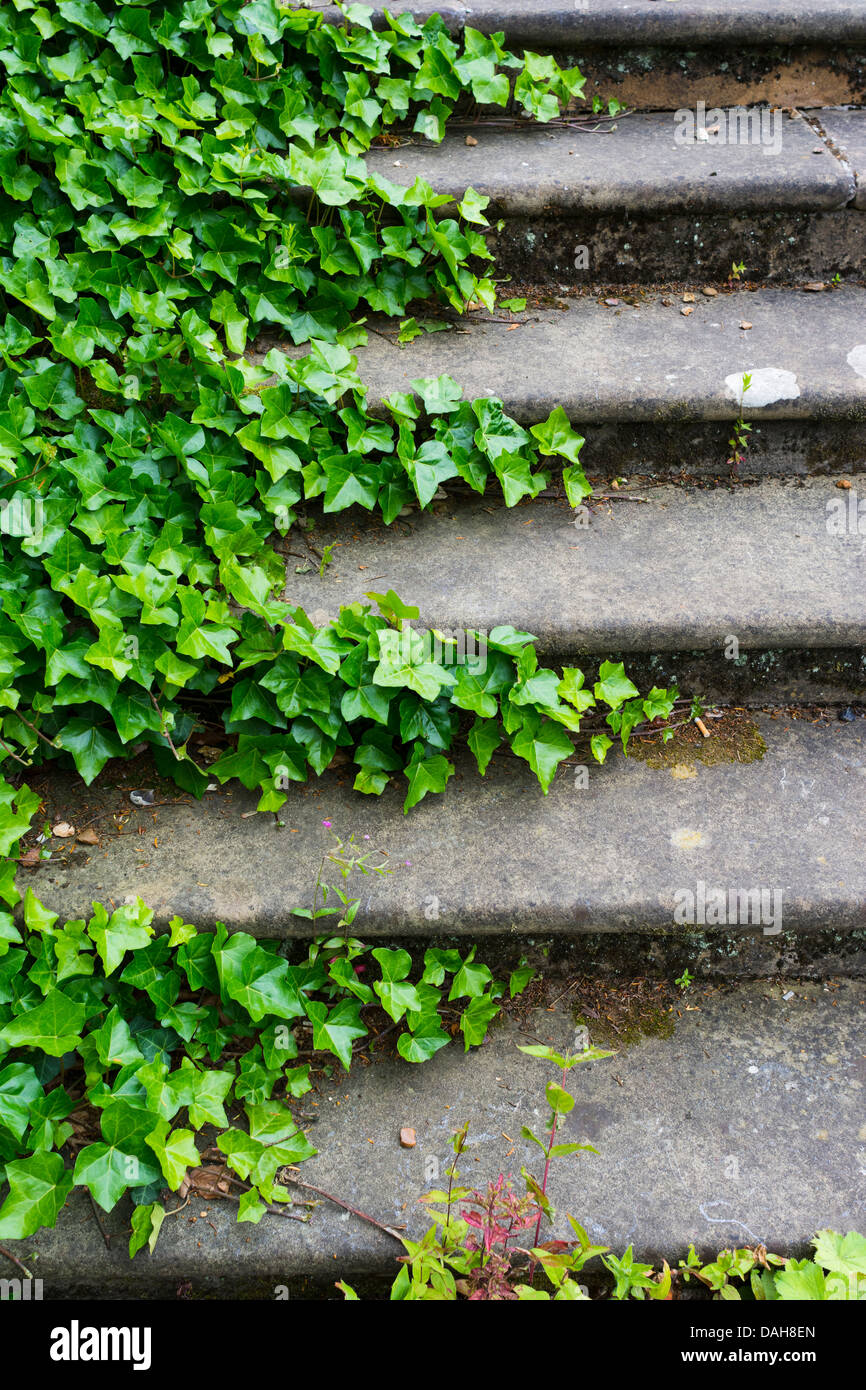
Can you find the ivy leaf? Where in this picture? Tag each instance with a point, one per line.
(38, 1189)
(476, 1019)
(335, 1031)
(108, 1168)
(210, 1088)
(613, 685)
(91, 746)
(544, 746)
(396, 994)
(441, 395)
(19, 1088)
(424, 1042)
(600, 743)
(146, 1225)
(251, 1207)
(484, 738)
(471, 979)
(127, 929)
(113, 1041)
(426, 775)
(556, 436)
(54, 1026)
(254, 977)
(176, 1151)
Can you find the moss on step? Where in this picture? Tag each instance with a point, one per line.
(733, 739)
(622, 1015)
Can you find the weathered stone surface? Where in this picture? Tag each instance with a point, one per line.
(847, 130)
(745, 1126)
(557, 23)
(643, 199)
(495, 856)
(650, 163)
(649, 362)
(682, 570)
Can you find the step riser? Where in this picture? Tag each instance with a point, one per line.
(661, 59)
(782, 248)
(699, 449)
(664, 79)
(835, 677)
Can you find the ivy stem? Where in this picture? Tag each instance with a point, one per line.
(553, 1128)
(15, 1260)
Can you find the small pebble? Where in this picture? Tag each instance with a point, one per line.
(142, 798)
(408, 1139)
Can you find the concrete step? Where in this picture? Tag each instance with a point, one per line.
(655, 55)
(738, 1123)
(681, 570)
(684, 578)
(782, 808)
(647, 198)
(655, 390)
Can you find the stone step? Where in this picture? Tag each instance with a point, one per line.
(778, 565)
(655, 390)
(752, 595)
(608, 850)
(735, 1124)
(662, 56)
(646, 198)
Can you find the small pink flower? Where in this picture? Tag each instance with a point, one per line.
(326, 824)
(366, 837)
(408, 863)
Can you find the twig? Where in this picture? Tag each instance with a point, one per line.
(37, 732)
(105, 1236)
(15, 1260)
(22, 761)
(308, 1186)
(180, 1208)
(615, 497)
(269, 1206)
(162, 729)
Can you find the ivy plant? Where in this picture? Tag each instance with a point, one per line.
(129, 1059)
(181, 185)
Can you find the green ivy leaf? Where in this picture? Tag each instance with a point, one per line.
(38, 1189)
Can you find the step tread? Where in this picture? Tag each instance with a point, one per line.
(494, 855)
(562, 23)
(701, 1138)
(651, 163)
(645, 363)
(678, 572)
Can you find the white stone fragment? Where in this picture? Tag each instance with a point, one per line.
(768, 385)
